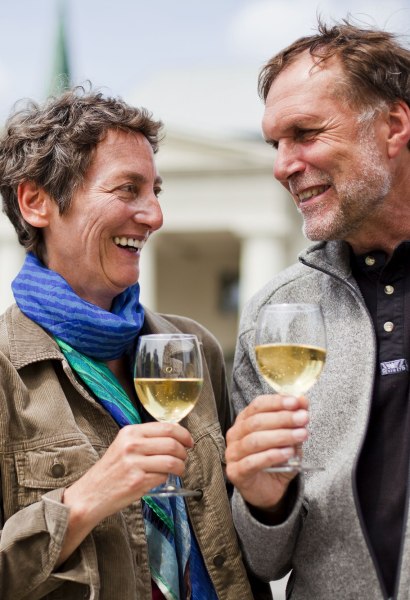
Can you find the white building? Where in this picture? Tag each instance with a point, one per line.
(228, 226)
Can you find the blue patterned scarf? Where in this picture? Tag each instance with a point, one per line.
(46, 298)
(165, 519)
(81, 329)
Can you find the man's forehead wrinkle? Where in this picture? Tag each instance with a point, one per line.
(294, 111)
(303, 72)
(288, 123)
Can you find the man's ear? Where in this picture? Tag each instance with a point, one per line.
(34, 203)
(399, 132)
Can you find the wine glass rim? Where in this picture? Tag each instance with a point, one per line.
(166, 336)
(292, 306)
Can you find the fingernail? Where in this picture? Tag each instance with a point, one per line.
(300, 417)
(299, 434)
(289, 402)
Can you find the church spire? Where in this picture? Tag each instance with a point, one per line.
(61, 73)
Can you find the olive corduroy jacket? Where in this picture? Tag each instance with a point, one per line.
(52, 430)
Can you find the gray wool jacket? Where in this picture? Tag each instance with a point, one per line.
(323, 540)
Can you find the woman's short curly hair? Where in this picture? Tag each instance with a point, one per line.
(52, 144)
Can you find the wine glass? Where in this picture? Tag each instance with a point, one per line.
(290, 348)
(168, 380)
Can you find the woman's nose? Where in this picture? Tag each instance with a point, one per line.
(149, 213)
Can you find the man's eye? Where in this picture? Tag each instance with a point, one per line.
(157, 191)
(305, 134)
(273, 144)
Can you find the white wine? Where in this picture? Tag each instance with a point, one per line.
(290, 368)
(168, 400)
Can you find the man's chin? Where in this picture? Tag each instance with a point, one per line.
(313, 235)
(319, 232)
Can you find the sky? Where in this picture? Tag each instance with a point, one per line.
(127, 46)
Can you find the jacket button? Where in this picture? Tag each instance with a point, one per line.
(57, 470)
(219, 560)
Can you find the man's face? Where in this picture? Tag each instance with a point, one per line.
(96, 245)
(334, 165)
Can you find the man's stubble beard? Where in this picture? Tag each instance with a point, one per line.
(358, 196)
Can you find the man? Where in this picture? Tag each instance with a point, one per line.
(337, 113)
(77, 453)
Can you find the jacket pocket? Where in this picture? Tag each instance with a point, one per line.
(51, 467)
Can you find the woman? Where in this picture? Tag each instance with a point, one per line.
(80, 185)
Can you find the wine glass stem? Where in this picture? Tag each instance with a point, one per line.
(295, 461)
(171, 482)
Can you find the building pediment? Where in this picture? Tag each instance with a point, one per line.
(190, 153)
(212, 119)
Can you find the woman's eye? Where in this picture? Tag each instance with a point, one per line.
(127, 191)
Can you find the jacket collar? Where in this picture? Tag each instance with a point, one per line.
(156, 323)
(330, 257)
(30, 343)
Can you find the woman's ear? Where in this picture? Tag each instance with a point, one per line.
(34, 203)
(399, 132)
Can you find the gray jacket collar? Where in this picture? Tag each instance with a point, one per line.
(329, 257)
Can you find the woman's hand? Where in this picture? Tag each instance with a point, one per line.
(139, 459)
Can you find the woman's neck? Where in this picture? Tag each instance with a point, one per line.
(120, 368)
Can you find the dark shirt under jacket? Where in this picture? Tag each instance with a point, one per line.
(383, 467)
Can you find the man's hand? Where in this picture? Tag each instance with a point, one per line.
(265, 434)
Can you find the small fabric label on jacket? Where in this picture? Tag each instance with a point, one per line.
(391, 367)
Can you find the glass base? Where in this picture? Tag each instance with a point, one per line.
(291, 468)
(168, 491)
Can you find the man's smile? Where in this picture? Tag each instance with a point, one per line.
(311, 192)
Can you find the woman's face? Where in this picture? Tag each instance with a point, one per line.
(96, 245)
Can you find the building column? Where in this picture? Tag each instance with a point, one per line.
(148, 275)
(261, 257)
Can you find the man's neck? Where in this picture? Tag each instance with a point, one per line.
(386, 245)
(383, 232)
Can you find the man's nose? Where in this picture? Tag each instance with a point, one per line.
(288, 161)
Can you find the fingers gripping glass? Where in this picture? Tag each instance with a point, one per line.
(290, 348)
(168, 380)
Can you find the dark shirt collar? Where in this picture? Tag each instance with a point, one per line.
(375, 261)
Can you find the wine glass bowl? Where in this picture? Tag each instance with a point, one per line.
(168, 380)
(290, 349)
